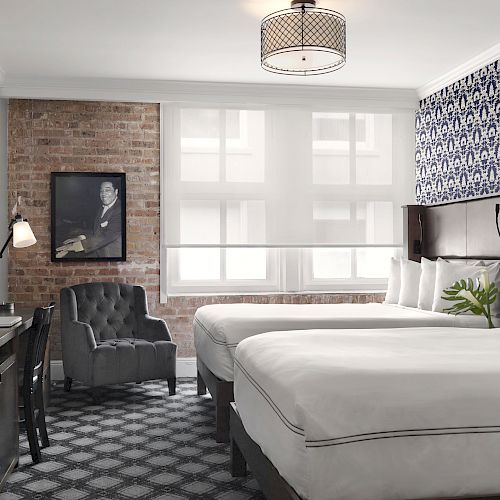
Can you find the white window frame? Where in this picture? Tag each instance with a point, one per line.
(224, 286)
(348, 192)
(206, 191)
(354, 282)
(288, 268)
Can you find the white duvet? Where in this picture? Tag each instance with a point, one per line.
(219, 328)
(375, 414)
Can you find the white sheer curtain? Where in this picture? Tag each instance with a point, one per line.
(241, 184)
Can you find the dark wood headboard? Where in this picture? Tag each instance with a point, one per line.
(464, 230)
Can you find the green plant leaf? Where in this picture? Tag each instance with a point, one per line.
(462, 304)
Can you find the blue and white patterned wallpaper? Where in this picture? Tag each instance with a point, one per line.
(457, 141)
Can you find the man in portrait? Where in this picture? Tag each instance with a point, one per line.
(106, 238)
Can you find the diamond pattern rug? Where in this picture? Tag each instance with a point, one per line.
(139, 443)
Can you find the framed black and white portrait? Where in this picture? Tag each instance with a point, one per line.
(88, 216)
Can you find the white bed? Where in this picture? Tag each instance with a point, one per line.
(375, 414)
(219, 328)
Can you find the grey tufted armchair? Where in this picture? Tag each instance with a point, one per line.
(109, 338)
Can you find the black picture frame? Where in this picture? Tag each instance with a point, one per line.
(80, 231)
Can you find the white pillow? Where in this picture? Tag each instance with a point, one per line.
(449, 272)
(394, 283)
(494, 275)
(410, 280)
(427, 284)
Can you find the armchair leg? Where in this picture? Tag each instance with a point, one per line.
(171, 386)
(67, 383)
(96, 394)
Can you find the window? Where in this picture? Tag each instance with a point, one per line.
(221, 145)
(331, 131)
(218, 182)
(279, 199)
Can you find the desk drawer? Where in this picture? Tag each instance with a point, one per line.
(9, 435)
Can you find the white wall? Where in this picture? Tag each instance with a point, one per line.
(4, 217)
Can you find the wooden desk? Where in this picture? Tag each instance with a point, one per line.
(9, 413)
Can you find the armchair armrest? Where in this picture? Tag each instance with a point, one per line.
(77, 337)
(81, 336)
(77, 343)
(153, 329)
(149, 328)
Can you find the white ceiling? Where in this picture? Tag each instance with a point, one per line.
(391, 43)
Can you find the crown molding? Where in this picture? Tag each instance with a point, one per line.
(465, 69)
(102, 89)
(206, 92)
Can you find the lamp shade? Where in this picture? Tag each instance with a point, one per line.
(303, 40)
(23, 235)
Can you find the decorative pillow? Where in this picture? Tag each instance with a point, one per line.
(410, 279)
(427, 284)
(394, 283)
(449, 272)
(494, 274)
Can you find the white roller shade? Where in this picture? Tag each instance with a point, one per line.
(284, 176)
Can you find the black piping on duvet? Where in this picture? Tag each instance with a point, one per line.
(368, 436)
(294, 428)
(211, 337)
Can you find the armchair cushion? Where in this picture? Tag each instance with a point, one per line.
(132, 360)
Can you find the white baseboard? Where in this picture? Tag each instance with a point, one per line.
(186, 367)
(56, 370)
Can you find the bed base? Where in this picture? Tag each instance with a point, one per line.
(245, 451)
(222, 394)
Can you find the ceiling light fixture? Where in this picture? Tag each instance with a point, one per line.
(303, 40)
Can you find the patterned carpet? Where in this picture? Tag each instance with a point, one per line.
(139, 443)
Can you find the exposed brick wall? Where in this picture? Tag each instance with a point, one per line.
(179, 311)
(53, 136)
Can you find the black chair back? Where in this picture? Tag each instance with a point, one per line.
(35, 352)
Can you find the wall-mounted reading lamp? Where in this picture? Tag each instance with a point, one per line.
(21, 234)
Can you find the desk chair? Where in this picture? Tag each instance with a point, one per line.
(30, 381)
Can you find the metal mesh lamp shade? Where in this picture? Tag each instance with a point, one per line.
(303, 40)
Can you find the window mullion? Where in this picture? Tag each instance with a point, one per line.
(223, 237)
(354, 263)
(223, 202)
(222, 145)
(354, 254)
(353, 181)
(292, 268)
(352, 149)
